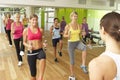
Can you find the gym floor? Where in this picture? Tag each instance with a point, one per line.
(9, 69)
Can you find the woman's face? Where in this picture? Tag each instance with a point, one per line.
(74, 17)
(17, 18)
(84, 20)
(56, 21)
(34, 21)
(8, 15)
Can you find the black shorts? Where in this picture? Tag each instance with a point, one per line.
(55, 41)
(32, 58)
(39, 54)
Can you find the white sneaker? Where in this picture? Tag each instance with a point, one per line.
(10, 45)
(71, 78)
(21, 53)
(20, 63)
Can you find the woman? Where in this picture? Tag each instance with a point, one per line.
(107, 65)
(73, 33)
(88, 35)
(62, 26)
(32, 37)
(25, 21)
(8, 23)
(17, 30)
(56, 38)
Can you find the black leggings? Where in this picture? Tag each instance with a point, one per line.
(9, 36)
(5, 29)
(32, 58)
(19, 47)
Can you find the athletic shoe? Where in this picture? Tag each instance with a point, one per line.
(60, 53)
(71, 78)
(55, 60)
(20, 63)
(84, 68)
(21, 53)
(10, 45)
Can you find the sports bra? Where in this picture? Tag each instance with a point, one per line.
(34, 36)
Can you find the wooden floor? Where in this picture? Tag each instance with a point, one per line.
(54, 71)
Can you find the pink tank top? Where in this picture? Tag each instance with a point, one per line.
(18, 31)
(34, 36)
(8, 25)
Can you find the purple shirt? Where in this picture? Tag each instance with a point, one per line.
(85, 27)
(62, 26)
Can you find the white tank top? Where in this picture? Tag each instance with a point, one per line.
(56, 33)
(116, 58)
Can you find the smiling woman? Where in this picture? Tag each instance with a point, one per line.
(17, 30)
(32, 37)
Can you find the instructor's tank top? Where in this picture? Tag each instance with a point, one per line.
(74, 35)
(116, 59)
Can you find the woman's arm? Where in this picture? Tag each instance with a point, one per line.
(42, 32)
(83, 33)
(4, 22)
(12, 28)
(12, 20)
(25, 37)
(51, 30)
(66, 34)
(22, 21)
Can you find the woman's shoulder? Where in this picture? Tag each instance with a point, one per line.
(103, 66)
(100, 60)
(101, 63)
(41, 30)
(68, 25)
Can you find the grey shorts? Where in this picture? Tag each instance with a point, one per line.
(71, 48)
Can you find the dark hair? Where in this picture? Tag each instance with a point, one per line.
(63, 18)
(111, 24)
(56, 19)
(84, 17)
(33, 16)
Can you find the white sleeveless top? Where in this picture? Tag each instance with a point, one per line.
(56, 33)
(116, 58)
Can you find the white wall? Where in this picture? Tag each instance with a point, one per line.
(56, 3)
(1, 24)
